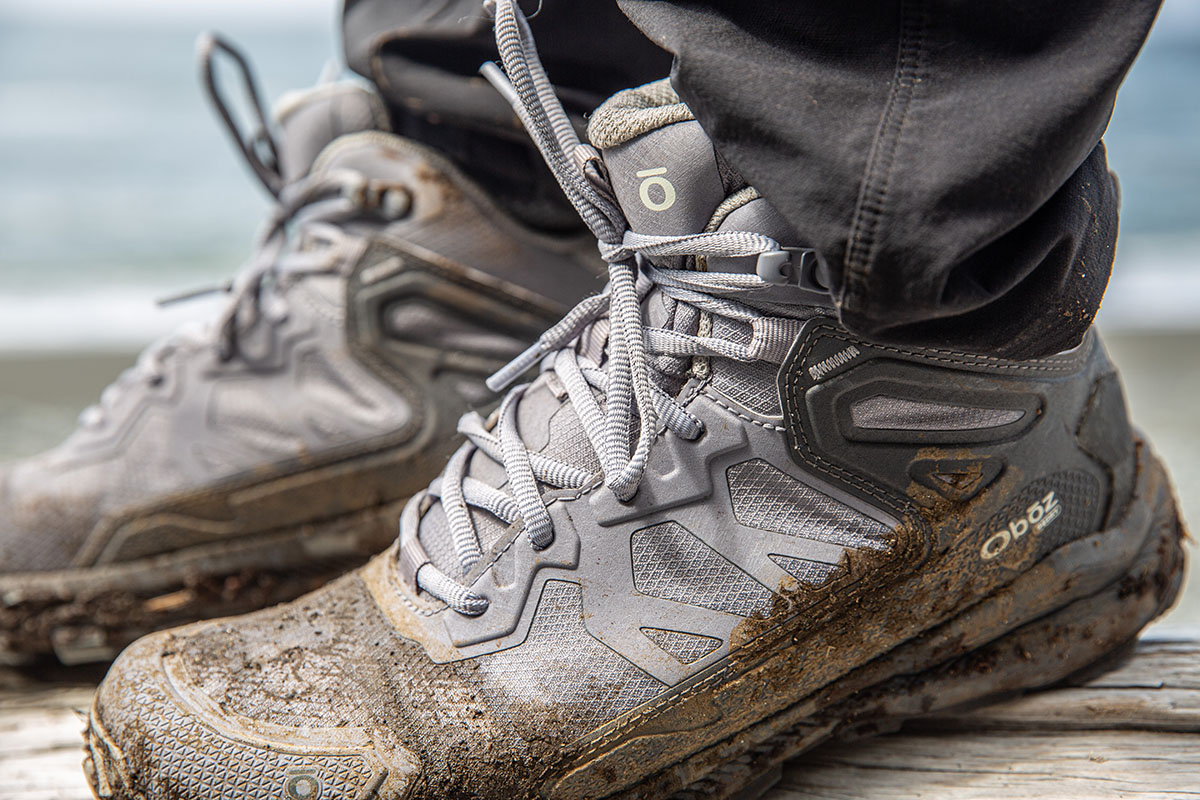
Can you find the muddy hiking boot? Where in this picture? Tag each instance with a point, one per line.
(715, 530)
(249, 460)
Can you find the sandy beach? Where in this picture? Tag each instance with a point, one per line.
(42, 394)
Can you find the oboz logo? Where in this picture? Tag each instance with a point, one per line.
(1035, 520)
(302, 783)
(663, 196)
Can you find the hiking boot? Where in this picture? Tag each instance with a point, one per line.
(250, 460)
(715, 530)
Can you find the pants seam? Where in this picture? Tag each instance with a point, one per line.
(871, 207)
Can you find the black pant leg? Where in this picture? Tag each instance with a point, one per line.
(944, 155)
(591, 50)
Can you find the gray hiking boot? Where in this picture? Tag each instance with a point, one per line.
(715, 530)
(249, 460)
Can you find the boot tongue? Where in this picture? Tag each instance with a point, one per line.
(662, 165)
(670, 180)
(311, 119)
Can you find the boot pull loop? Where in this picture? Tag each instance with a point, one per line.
(259, 148)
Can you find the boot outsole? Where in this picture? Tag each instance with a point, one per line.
(89, 615)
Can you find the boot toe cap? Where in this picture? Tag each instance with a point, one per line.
(151, 735)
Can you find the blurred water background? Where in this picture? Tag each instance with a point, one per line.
(118, 187)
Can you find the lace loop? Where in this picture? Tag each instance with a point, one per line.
(260, 142)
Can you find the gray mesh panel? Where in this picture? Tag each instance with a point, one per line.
(435, 538)
(813, 573)
(490, 529)
(568, 442)
(881, 412)
(686, 647)
(562, 665)
(672, 564)
(752, 385)
(770, 500)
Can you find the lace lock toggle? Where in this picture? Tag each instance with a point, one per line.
(797, 266)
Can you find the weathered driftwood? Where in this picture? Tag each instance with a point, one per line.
(1131, 732)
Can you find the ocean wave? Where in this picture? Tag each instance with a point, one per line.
(117, 319)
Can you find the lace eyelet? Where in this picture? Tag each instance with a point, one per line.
(487, 604)
(628, 501)
(395, 203)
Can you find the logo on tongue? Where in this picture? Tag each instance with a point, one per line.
(652, 179)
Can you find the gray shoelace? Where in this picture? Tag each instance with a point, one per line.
(624, 379)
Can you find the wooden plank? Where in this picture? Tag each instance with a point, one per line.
(1158, 689)
(40, 745)
(987, 765)
(1131, 732)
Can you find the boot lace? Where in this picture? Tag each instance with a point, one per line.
(621, 429)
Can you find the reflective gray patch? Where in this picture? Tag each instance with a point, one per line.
(770, 500)
(882, 412)
(812, 573)
(686, 647)
(672, 564)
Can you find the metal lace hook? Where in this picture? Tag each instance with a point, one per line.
(208, 45)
